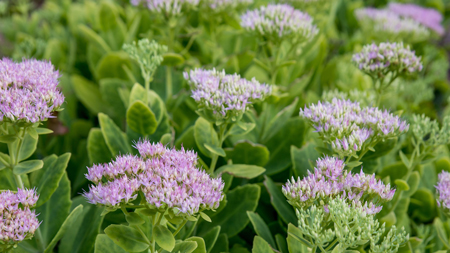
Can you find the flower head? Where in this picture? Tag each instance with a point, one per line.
(386, 24)
(379, 60)
(167, 178)
(429, 18)
(28, 90)
(17, 221)
(280, 21)
(348, 127)
(226, 5)
(443, 191)
(329, 181)
(166, 7)
(227, 96)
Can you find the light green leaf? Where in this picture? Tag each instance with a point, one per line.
(183, 247)
(172, 59)
(241, 170)
(42, 131)
(134, 219)
(241, 128)
(164, 237)
(204, 133)
(141, 119)
(128, 238)
(27, 167)
(402, 184)
(438, 225)
(89, 94)
(8, 138)
(98, 151)
(201, 247)
(246, 152)
(104, 244)
(261, 246)
(215, 150)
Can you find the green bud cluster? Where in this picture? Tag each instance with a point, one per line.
(428, 132)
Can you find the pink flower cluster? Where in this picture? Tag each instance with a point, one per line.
(28, 90)
(17, 221)
(167, 178)
(347, 126)
(329, 180)
(225, 95)
(430, 18)
(443, 190)
(167, 7)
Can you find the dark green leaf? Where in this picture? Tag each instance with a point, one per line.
(303, 159)
(222, 244)
(205, 134)
(441, 232)
(89, 94)
(134, 219)
(8, 138)
(279, 202)
(98, 151)
(261, 229)
(211, 237)
(233, 218)
(241, 128)
(104, 244)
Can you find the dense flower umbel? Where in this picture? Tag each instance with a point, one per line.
(430, 18)
(166, 7)
(227, 96)
(28, 91)
(379, 60)
(348, 127)
(17, 221)
(280, 21)
(443, 191)
(168, 178)
(329, 180)
(383, 22)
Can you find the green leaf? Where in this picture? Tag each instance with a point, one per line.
(280, 144)
(279, 121)
(295, 240)
(261, 246)
(222, 244)
(29, 145)
(233, 218)
(107, 16)
(281, 243)
(279, 202)
(215, 150)
(98, 151)
(8, 138)
(303, 159)
(211, 237)
(201, 247)
(394, 171)
(241, 170)
(32, 132)
(164, 237)
(28, 167)
(134, 219)
(246, 152)
(42, 131)
(402, 184)
(413, 183)
(115, 139)
(204, 133)
(110, 90)
(95, 39)
(423, 205)
(390, 219)
(89, 94)
(353, 164)
(68, 223)
(128, 238)
(324, 151)
(405, 160)
(47, 179)
(166, 139)
(183, 247)
(438, 225)
(205, 216)
(104, 244)
(54, 213)
(241, 128)
(111, 65)
(172, 59)
(141, 119)
(261, 228)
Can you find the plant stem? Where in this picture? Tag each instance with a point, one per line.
(191, 229)
(179, 228)
(222, 129)
(168, 83)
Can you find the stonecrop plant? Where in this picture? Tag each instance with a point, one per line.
(224, 126)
